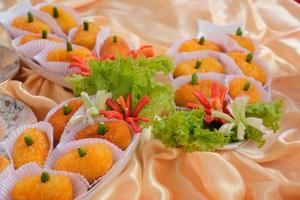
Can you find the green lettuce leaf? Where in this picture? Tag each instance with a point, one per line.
(126, 75)
(269, 112)
(255, 135)
(185, 129)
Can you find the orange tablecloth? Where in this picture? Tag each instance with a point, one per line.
(155, 172)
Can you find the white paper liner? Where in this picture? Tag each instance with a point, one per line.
(2, 128)
(8, 170)
(9, 143)
(21, 9)
(180, 81)
(99, 38)
(208, 29)
(262, 92)
(59, 106)
(62, 150)
(72, 12)
(80, 185)
(265, 68)
(57, 67)
(229, 65)
(30, 49)
(104, 34)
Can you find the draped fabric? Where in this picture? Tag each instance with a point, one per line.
(155, 172)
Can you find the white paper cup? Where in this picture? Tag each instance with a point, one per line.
(21, 9)
(57, 67)
(9, 143)
(208, 29)
(62, 150)
(53, 22)
(104, 34)
(30, 49)
(80, 185)
(262, 92)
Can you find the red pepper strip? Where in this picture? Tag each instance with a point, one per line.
(140, 118)
(208, 119)
(94, 54)
(215, 89)
(121, 101)
(111, 114)
(113, 105)
(128, 104)
(207, 111)
(136, 128)
(193, 105)
(77, 59)
(139, 106)
(146, 50)
(133, 54)
(84, 70)
(203, 100)
(222, 95)
(108, 57)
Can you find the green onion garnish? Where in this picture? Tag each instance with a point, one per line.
(246, 86)
(69, 46)
(67, 109)
(194, 79)
(239, 31)
(55, 12)
(115, 39)
(45, 177)
(249, 57)
(102, 129)
(44, 34)
(85, 25)
(198, 64)
(28, 140)
(30, 17)
(81, 152)
(202, 40)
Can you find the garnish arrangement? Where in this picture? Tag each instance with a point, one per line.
(217, 95)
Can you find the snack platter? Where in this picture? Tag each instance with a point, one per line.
(218, 98)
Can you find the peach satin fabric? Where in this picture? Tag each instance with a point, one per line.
(155, 172)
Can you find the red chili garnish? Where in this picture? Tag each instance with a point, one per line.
(216, 103)
(193, 105)
(136, 128)
(108, 57)
(113, 105)
(77, 62)
(111, 114)
(145, 50)
(131, 118)
(203, 100)
(145, 100)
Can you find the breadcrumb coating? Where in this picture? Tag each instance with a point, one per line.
(4, 162)
(86, 38)
(96, 163)
(65, 20)
(117, 132)
(29, 38)
(188, 67)
(118, 47)
(37, 152)
(236, 89)
(185, 94)
(31, 188)
(193, 45)
(37, 26)
(244, 42)
(59, 121)
(249, 69)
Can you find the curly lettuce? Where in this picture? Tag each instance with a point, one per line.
(185, 129)
(126, 75)
(269, 112)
